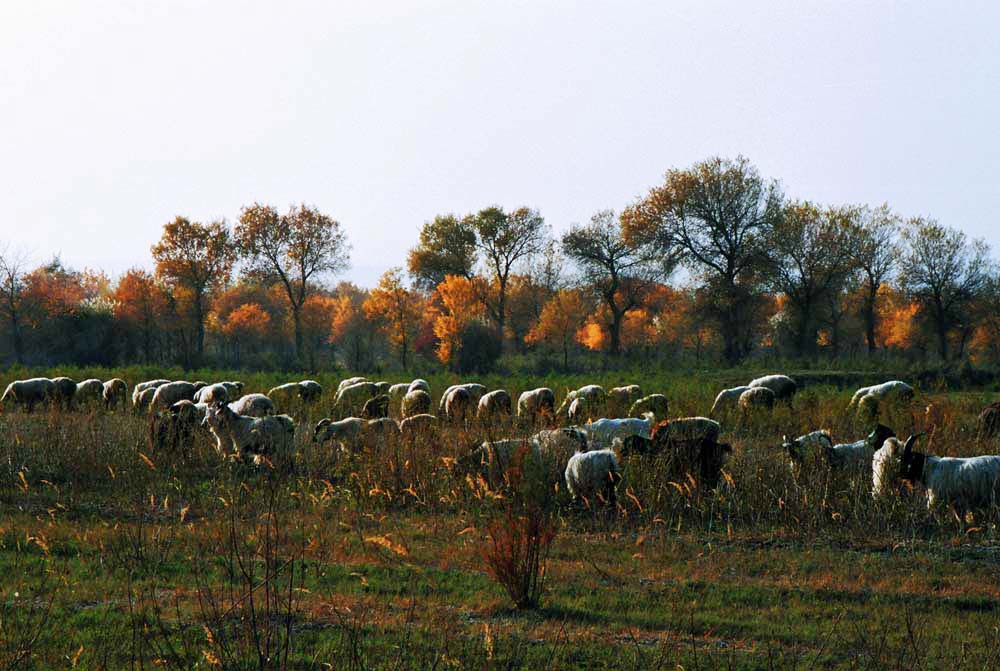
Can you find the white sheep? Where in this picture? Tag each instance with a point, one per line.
(474, 389)
(350, 401)
(376, 407)
(168, 394)
(458, 405)
(620, 399)
(604, 431)
(253, 437)
(421, 385)
(253, 405)
(784, 387)
(143, 386)
(396, 394)
(415, 426)
(726, 401)
(536, 405)
(494, 405)
(27, 394)
(964, 484)
(310, 391)
(349, 381)
(594, 393)
(592, 474)
(114, 393)
(285, 396)
(757, 398)
(213, 393)
(64, 391)
(894, 390)
(143, 400)
(579, 410)
(654, 403)
(416, 402)
(89, 393)
(343, 431)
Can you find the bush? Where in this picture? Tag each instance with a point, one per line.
(478, 349)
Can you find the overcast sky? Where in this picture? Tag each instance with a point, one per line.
(117, 116)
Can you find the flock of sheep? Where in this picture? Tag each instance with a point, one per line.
(566, 443)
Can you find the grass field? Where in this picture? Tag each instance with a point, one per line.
(112, 556)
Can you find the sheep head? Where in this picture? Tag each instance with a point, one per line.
(320, 432)
(912, 463)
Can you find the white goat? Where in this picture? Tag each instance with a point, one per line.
(250, 436)
(593, 473)
(603, 432)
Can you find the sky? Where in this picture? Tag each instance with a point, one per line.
(115, 117)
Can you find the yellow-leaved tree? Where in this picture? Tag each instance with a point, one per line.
(396, 311)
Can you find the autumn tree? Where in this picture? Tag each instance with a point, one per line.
(12, 287)
(562, 316)
(874, 254)
(620, 272)
(718, 215)
(294, 249)
(457, 304)
(811, 254)
(447, 246)
(196, 258)
(350, 330)
(396, 310)
(945, 273)
(142, 304)
(246, 325)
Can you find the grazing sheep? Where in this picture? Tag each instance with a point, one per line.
(350, 401)
(234, 388)
(396, 394)
(416, 426)
(493, 459)
(756, 398)
(310, 391)
(964, 484)
(382, 430)
(474, 389)
(494, 405)
(593, 474)
(382, 388)
(144, 400)
(536, 405)
(989, 421)
(168, 394)
(894, 390)
(350, 381)
(727, 401)
(285, 396)
(603, 432)
(458, 405)
(621, 399)
(344, 430)
(26, 394)
(172, 430)
(416, 402)
(253, 405)
(419, 385)
(594, 393)
(250, 437)
(114, 393)
(654, 403)
(64, 391)
(686, 428)
(213, 393)
(784, 387)
(143, 386)
(89, 393)
(693, 449)
(376, 408)
(578, 411)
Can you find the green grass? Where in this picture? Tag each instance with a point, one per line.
(375, 562)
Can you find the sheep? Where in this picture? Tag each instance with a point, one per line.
(859, 454)
(494, 405)
(234, 388)
(65, 390)
(418, 426)
(382, 430)
(285, 396)
(144, 400)
(382, 388)
(114, 392)
(756, 398)
(621, 399)
(143, 386)
(349, 381)
(989, 421)
(350, 400)
(250, 437)
(578, 411)
(654, 403)
(376, 407)
(416, 402)
(310, 391)
(168, 394)
(474, 389)
(458, 405)
(172, 430)
(27, 394)
(962, 483)
(344, 430)
(894, 390)
(686, 428)
(594, 393)
(693, 449)
(493, 459)
(213, 393)
(419, 384)
(88, 393)
(726, 401)
(801, 448)
(602, 432)
(396, 394)
(593, 474)
(253, 405)
(784, 387)
(536, 405)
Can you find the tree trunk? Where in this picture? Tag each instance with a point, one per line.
(297, 319)
(868, 312)
(615, 346)
(942, 331)
(199, 316)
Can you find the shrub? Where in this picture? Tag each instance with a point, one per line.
(478, 350)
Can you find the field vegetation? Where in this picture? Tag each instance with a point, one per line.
(116, 556)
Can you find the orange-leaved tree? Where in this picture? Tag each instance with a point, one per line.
(458, 304)
(142, 304)
(246, 325)
(562, 316)
(396, 310)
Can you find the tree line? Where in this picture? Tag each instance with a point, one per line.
(715, 264)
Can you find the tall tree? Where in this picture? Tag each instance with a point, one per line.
(719, 215)
(12, 287)
(875, 256)
(811, 254)
(447, 246)
(396, 310)
(620, 272)
(195, 258)
(294, 250)
(504, 239)
(562, 316)
(945, 272)
(141, 304)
